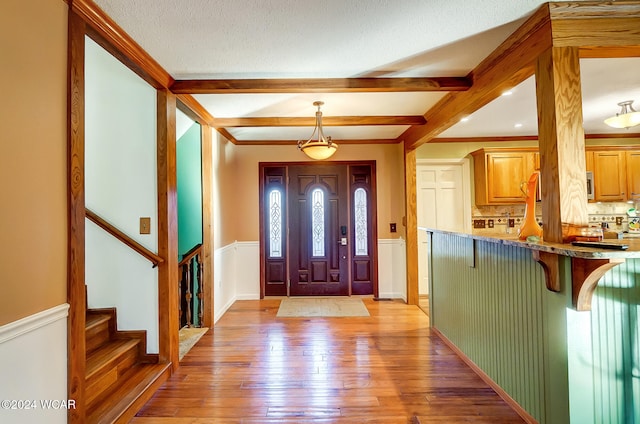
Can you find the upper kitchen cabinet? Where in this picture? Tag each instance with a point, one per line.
(633, 173)
(616, 172)
(499, 174)
(610, 176)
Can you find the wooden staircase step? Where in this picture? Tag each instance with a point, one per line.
(97, 331)
(107, 364)
(120, 402)
(94, 320)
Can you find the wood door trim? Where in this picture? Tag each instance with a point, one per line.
(374, 215)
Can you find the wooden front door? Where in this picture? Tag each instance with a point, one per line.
(318, 237)
(318, 229)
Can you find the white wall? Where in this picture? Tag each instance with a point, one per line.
(225, 280)
(33, 366)
(121, 187)
(116, 277)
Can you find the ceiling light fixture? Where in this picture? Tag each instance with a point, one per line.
(322, 147)
(628, 116)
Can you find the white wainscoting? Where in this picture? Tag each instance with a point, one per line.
(33, 367)
(237, 272)
(224, 279)
(248, 270)
(392, 269)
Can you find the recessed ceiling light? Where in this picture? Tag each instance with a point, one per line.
(507, 93)
(465, 119)
(517, 126)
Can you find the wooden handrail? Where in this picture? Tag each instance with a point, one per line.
(190, 254)
(152, 257)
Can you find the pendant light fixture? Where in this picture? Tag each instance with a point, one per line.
(321, 147)
(628, 117)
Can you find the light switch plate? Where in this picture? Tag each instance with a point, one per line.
(145, 225)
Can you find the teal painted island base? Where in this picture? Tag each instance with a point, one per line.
(488, 298)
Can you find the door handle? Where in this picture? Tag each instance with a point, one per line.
(342, 241)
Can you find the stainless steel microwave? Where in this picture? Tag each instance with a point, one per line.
(590, 187)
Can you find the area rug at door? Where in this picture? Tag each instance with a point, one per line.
(189, 337)
(322, 307)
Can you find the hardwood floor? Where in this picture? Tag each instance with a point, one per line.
(387, 368)
(423, 303)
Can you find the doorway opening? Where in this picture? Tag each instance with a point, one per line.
(443, 202)
(318, 229)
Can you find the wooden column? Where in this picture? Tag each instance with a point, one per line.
(561, 141)
(76, 296)
(167, 229)
(207, 223)
(411, 215)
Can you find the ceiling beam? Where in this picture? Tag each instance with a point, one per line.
(199, 114)
(295, 142)
(194, 110)
(327, 121)
(319, 85)
(517, 138)
(507, 66)
(598, 29)
(498, 138)
(595, 52)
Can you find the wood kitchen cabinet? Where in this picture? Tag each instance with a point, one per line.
(633, 174)
(610, 175)
(499, 173)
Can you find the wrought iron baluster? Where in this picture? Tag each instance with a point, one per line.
(187, 294)
(200, 293)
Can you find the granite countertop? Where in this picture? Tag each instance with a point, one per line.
(558, 248)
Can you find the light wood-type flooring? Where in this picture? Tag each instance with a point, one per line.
(385, 369)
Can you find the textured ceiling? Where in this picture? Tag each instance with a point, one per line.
(219, 39)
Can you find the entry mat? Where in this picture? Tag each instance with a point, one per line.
(322, 307)
(188, 338)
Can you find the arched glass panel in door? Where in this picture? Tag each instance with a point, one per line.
(275, 223)
(360, 220)
(317, 222)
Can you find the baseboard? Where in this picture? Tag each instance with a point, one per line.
(499, 390)
(224, 309)
(392, 295)
(250, 296)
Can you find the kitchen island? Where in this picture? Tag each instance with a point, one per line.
(554, 326)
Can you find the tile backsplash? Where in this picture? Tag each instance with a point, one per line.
(497, 216)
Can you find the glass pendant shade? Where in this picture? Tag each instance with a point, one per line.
(628, 117)
(321, 147)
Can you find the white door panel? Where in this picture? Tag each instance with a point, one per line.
(443, 202)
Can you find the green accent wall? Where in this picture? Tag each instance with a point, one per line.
(189, 164)
(189, 173)
(560, 365)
